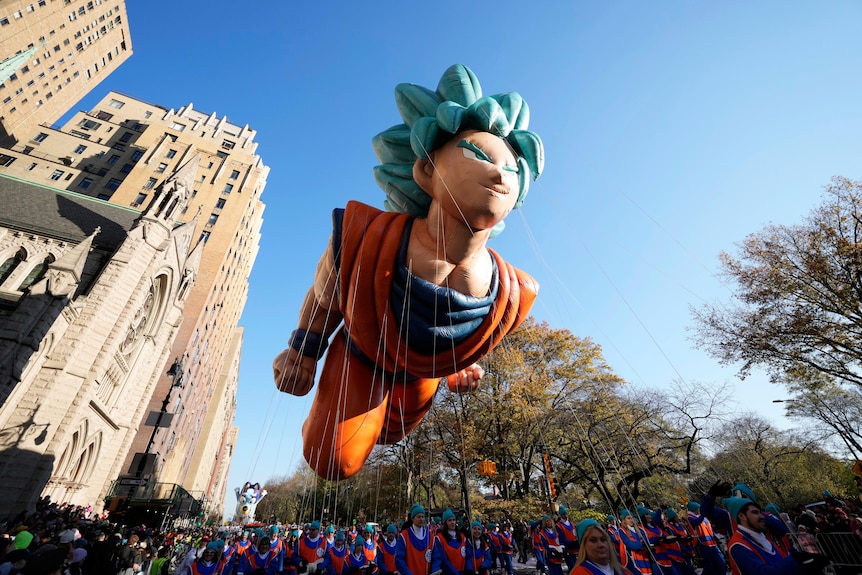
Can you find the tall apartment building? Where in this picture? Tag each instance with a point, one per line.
(52, 53)
(121, 152)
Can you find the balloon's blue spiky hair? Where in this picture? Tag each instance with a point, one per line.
(431, 118)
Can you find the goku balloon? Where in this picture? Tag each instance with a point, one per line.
(405, 298)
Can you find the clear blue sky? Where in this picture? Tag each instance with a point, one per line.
(671, 129)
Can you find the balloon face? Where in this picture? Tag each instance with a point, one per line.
(474, 178)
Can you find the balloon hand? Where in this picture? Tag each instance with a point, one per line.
(466, 380)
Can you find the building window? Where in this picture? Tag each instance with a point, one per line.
(6, 160)
(227, 144)
(57, 174)
(113, 159)
(113, 184)
(119, 146)
(228, 188)
(89, 124)
(85, 183)
(234, 174)
(80, 134)
(220, 203)
(137, 155)
(177, 126)
(9, 266)
(103, 197)
(139, 200)
(4, 21)
(204, 237)
(150, 183)
(40, 137)
(171, 154)
(32, 167)
(104, 115)
(162, 167)
(79, 149)
(126, 168)
(213, 219)
(36, 273)
(147, 115)
(126, 137)
(116, 103)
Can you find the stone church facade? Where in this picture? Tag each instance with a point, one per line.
(91, 298)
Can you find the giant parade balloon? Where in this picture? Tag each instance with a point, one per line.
(410, 296)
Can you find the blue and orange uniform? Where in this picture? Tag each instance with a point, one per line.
(449, 554)
(201, 568)
(335, 559)
(387, 554)
(413, 555)
(707, 545)
(747, 557)
(552, 551)
(356, 561)
(631, 543)
(311, 550)
(569, 540)
(253, 560)
(478, 558)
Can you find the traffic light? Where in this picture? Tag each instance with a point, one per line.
(482, 468)
(552, 487)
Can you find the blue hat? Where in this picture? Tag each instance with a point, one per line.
(369, 528)
(625, 513)
(315, 525)
(273, 529)
(693, 506)
(330, 529)
(773, 508)
(670, 513)
(359, 541)
(735, 505)
(476, 523)
(492, 526)
(392, 529)
(611, 518)
(339, 536)
(214, 545)
(584, 525)
(745, 490)
(564, 510)
(643, 511)
(447, 515)
(416, 510)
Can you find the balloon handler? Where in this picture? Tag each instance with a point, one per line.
(414, 292)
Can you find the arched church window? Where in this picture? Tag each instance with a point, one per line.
(11, 264)
(37, 273)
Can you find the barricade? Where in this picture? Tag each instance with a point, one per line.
(843, 549)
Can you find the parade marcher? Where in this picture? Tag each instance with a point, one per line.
(369, 547)
(335, 560)
(261, 557)
(243, 544)
(596, 553)
(776, 529)
(507, 542)
(357, 561)
(536, 545)
(311, 548)
(679, 543)
(494, 544)
(449, 554)
(478, 552)
(653, 530)
(568, 537)
(751, 552)
(552, 551)
(330, 536)
(387, 551)
(707, 545)
(415, 545)
(633, 545)
(211, 561)
(277, 545)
